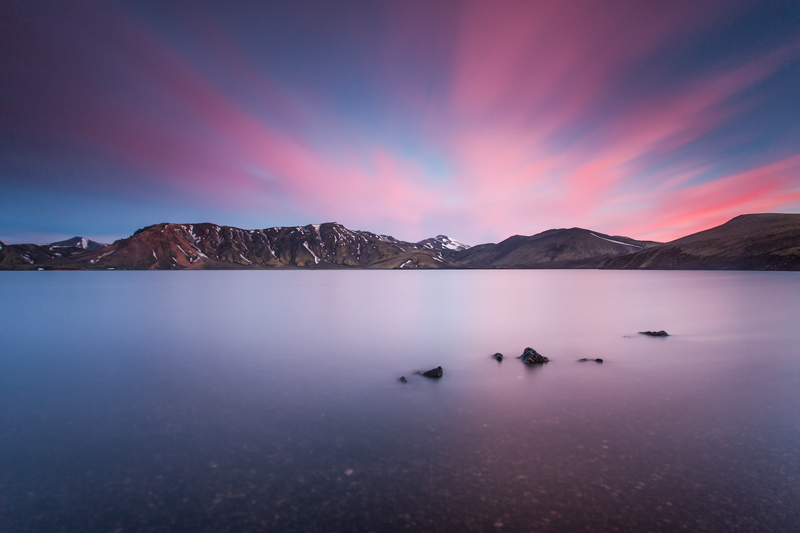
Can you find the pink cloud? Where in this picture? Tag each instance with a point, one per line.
(511, 99)
(512, 180)
(683, 210)
(229, 156)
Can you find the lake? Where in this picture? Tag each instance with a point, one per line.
(270, 401)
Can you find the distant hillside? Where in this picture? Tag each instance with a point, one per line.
(748, 242)
(10, 258)
(81, 243)
(555, 248)
(59, 255)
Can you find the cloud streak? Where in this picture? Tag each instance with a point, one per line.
(472, 119)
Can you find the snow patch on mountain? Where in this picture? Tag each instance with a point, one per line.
(316, 259)
(615, 242)
(442, 242)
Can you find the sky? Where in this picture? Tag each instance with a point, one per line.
(478, 120)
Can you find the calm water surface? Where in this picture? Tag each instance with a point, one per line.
(269, 401)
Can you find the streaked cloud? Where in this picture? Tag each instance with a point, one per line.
(475, 119)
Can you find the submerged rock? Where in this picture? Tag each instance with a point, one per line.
(586, 359)
(532, 357)
(661, 333)
(433, 373)
(498, 356)
(402, 379)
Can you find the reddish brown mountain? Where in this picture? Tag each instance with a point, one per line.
(208, 246)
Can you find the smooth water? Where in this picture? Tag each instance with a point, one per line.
(270, 401)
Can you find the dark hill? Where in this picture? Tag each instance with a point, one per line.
(767, 241)
(10, 258)
(555, 248)
(33, 256)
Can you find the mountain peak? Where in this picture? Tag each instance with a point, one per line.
(442, 243)
(78, 242)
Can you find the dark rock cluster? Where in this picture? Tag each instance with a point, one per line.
(532, 357)
(585, 359)
(433, 373)
(498, 356)
(661, 333)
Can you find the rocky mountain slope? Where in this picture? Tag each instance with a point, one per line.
(209, 246)
(555, 248)
(768, 241)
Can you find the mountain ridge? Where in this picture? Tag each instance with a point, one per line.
(169, 246)
(768, 241)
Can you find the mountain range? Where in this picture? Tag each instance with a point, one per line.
(748, 242)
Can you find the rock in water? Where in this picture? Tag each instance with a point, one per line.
(532, 357)
(598, 360)
(402, 379)
(498, 356)
(434, 373)
(586, 359)
(661, 333)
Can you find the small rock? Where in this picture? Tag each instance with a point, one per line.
(661, 333)
(582, 360)
(532, 357)
(433, 373)
(598, 360)
(402, 379)
(586, 359)
(498, 356)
